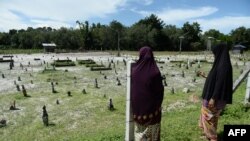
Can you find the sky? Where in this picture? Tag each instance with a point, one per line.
(222, 15)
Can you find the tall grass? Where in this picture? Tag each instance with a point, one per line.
(20, 51)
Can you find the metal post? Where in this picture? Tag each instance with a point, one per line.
(129, 119)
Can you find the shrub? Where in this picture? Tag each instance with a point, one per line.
(99, 68)
(83, 62)
(63, 63)
(94, 65)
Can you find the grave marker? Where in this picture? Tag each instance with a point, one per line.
(69, 93)
(96, 83)
(186, 90)
(24, 91)
(57, 102)
(45, 116)
(3, 123)
(110, 105)
(183, 74)
(172, 90)
(17, 87)
(84, 91)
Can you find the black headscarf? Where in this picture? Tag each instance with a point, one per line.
(219, 83)
(146, 89)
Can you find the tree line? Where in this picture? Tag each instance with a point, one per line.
(148, 31)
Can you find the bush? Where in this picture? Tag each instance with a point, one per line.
(83, 62)
(94, 65)
(195, 46)
(176, 61)
(63, 63)
(2, 60)
(99, 68)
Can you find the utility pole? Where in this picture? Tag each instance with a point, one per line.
(181, 38)
(118, 42)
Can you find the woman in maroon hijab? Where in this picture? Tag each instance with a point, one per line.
(147, 94)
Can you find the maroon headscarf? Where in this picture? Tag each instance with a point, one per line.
(146, 89)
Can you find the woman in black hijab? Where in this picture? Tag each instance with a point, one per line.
(217, 91)
(147, 95)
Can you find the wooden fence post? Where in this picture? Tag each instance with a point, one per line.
(240, 79)
(247, 97)
(129, 135)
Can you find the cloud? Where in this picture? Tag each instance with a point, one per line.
(49, 23)
(141, 2)
(61, 11)
(224, 24)
(202, 15)
(148, 2)
(174, 16)
(9, 20)
(67, 9)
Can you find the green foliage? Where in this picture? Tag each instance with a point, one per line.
(83, 62)
(5, 60)
(19, 51)
(191, 34)
(241, 35)
(46, 70)
(99, 68)
(63, 63)
(196, 46)
(150, 30)
(94, 65)
(173, 33)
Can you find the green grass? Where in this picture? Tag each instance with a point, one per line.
(20, 51)
(85, 117)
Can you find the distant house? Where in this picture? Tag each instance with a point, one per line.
(49, 47)
(238, 49)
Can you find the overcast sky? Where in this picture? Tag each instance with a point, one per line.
(223, 15)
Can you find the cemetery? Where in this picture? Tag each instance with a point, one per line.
(82, 96)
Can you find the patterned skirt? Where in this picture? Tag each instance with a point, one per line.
(209, 119)
(147, 133)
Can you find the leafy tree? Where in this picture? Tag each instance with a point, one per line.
(26, 40)
(173, 33)
(153, 22)
(240, 35)
(84, 28)
(116, 33)
(192, 34)
(5, 39)
(148, 31)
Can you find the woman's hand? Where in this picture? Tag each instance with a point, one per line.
(211, 103)
(201, 74)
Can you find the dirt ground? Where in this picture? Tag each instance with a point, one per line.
(32, 67)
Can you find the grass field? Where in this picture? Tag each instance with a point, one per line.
(20, 51)
(85, 117)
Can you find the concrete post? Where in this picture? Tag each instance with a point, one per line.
(129, 116)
